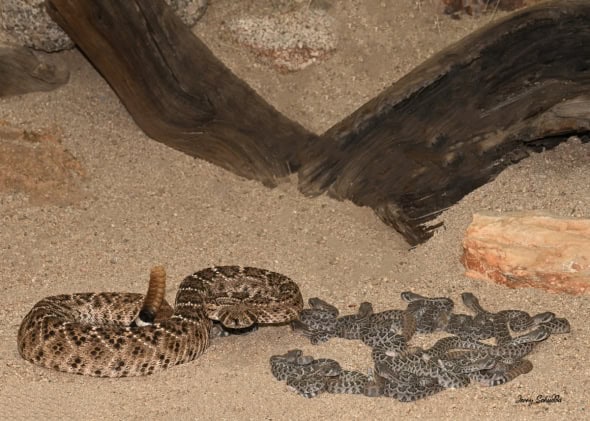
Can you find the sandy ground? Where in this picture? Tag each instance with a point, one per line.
(147, 204)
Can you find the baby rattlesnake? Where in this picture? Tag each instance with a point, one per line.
(111, 334)
(408, 374)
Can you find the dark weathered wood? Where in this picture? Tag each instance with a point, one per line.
(177, 91)
(445, 129)
(22, 72)
(460, 118)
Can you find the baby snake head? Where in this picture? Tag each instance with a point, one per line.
(318, 304)
(545, 317)
(539, 334)
(292, 356)
(409, 296)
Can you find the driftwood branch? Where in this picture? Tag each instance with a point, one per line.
(177, 91)
(455, 122)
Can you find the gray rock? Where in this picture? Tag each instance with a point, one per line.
(28, 24)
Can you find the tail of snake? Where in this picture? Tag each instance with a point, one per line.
(153, 298)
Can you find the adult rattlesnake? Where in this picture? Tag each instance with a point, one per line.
(110, 334)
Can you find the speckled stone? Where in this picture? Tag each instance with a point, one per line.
(288, 41)
(27, 22)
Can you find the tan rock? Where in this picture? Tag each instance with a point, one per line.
(529, 249)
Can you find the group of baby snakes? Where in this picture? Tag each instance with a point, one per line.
(411, 373)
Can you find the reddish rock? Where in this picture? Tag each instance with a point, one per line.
(35, 163)
(529, 249)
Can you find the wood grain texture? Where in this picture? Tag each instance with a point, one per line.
(456, 121)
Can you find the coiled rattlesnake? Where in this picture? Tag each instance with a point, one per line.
(123, 334)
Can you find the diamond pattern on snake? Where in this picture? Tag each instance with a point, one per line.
(112, 334)
(411, 373)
